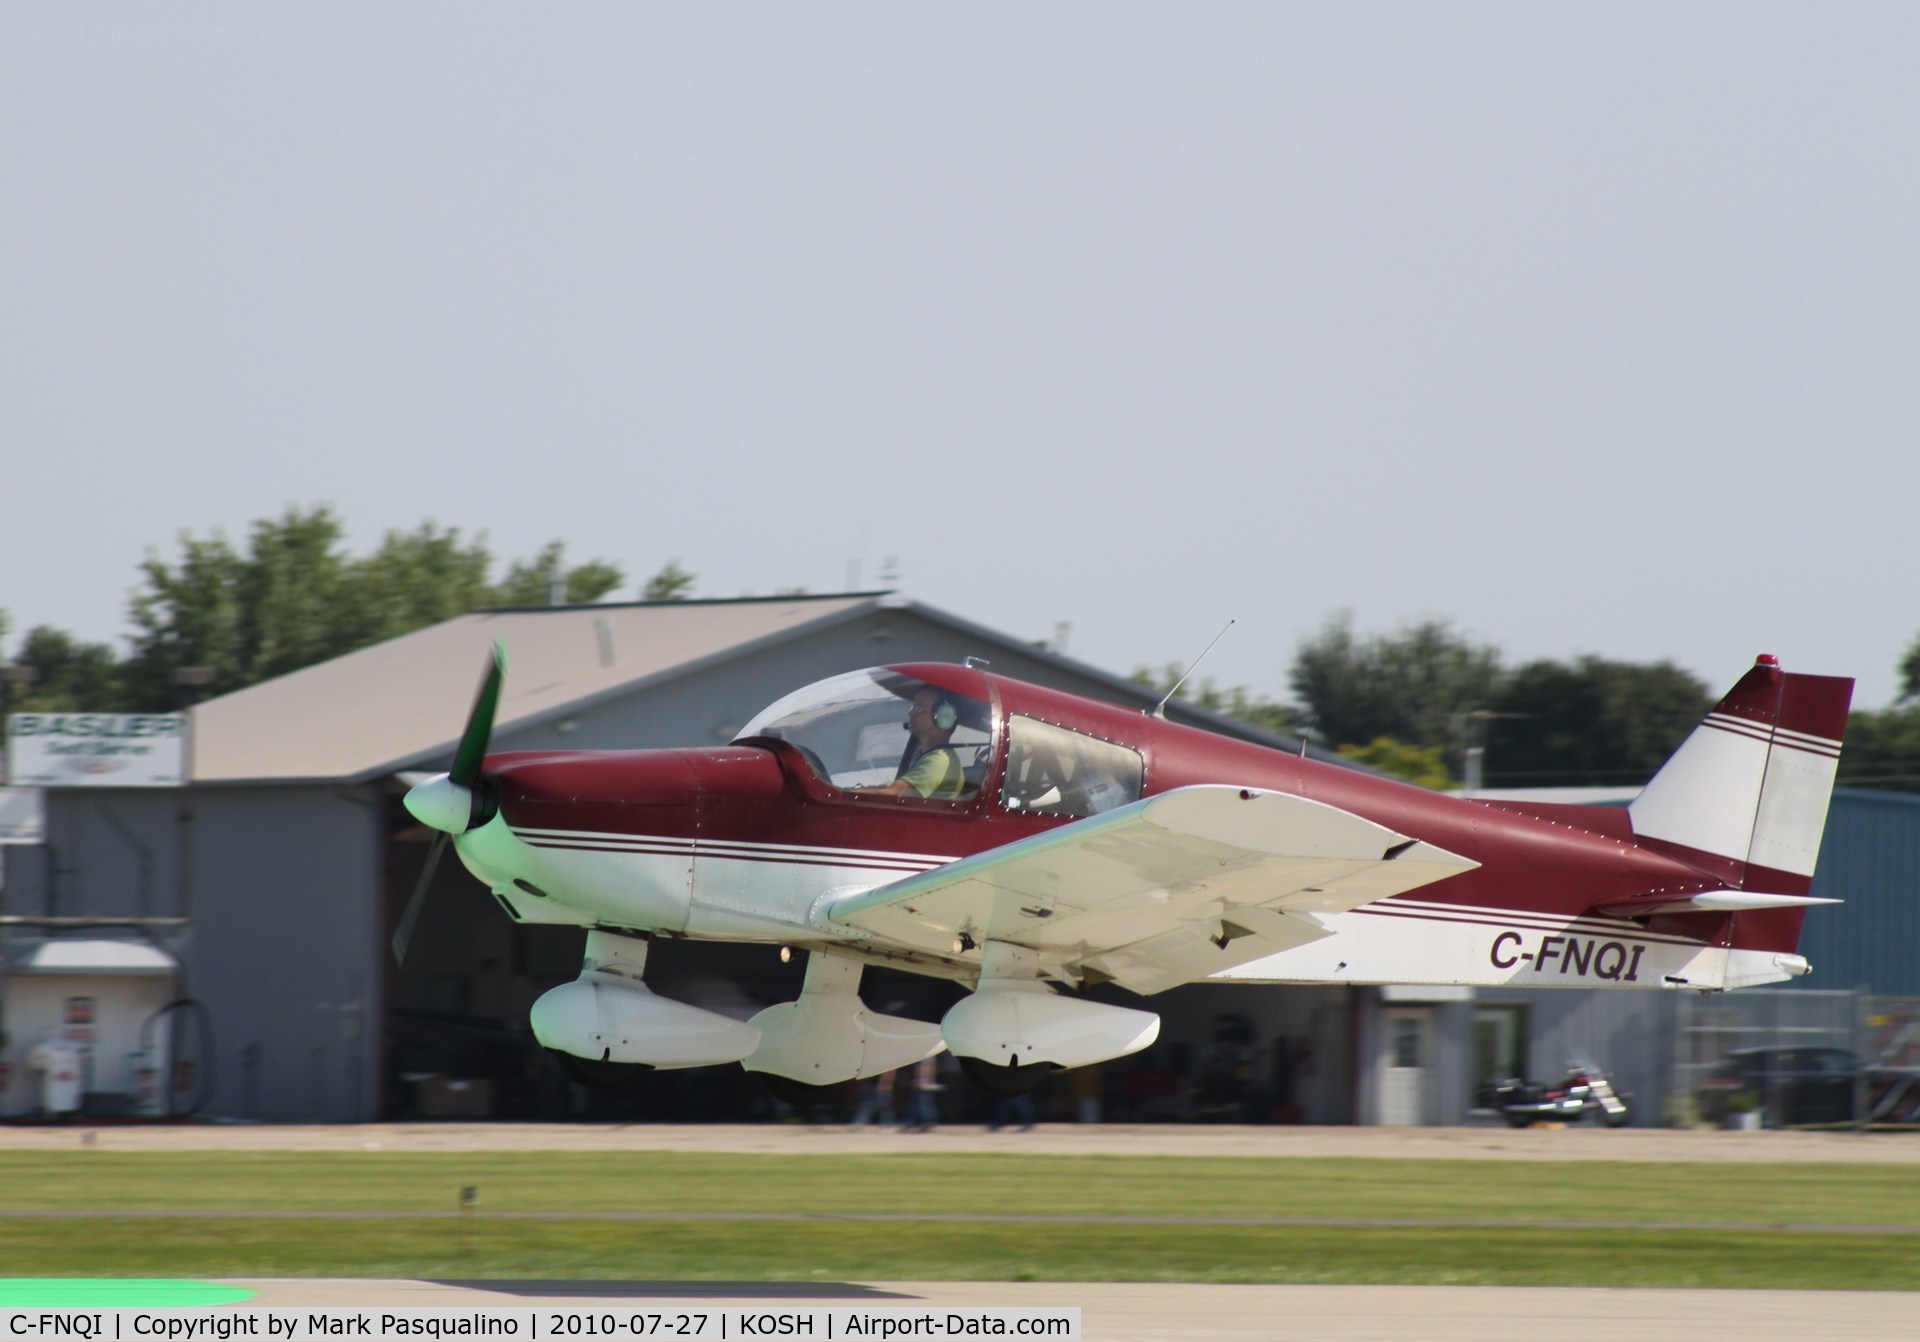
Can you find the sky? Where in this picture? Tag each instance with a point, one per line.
(1591, 329)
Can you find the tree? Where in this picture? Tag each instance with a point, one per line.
(295, 597)
(68, 674)
(1413, 686)
(1591, 721)
(1239, 703)
(1417, 764)
(1548, 723)
(416, 578)
(671, 583)
(1882, 750)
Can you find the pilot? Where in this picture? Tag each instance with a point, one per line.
(934, 769)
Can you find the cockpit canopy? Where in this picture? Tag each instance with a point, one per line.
(855, 730)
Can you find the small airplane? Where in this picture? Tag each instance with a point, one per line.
(1030, 843)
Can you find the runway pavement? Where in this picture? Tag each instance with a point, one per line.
(1461, 1143)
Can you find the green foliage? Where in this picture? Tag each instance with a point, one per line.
(1239, 702)
(291, 597)
(66, 671)
(1592, 721)
(1417, 764)
(295, 597)
(416, 578)
(1548, 723)
(1882, 750)
(671, 583)
(530, 582)
(1413, 686)
(1405, 703)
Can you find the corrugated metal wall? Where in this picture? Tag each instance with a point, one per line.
(1870, 858)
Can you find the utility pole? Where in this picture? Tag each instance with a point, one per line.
(187, 680)
(1473, 759)
(10, 676)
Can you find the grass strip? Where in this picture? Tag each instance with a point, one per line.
(1752, 1195)
(840, 1251)
(1611, 1210)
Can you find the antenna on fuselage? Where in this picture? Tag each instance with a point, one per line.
(1159, 710)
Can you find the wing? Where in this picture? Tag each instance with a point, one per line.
(1158, 893)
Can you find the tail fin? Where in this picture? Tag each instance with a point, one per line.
(1745, 796)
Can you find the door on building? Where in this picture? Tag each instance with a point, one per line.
(1499, 1049)
(1403, 1073)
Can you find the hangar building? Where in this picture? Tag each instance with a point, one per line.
(266, 892)
(1861, 1001)
(244, 921)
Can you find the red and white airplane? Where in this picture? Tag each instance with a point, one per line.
(1025, 842)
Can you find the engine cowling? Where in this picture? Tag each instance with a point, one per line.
(607, 1018)
(1019, 1023)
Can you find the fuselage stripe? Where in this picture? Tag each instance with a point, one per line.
(691, 855)
(727, 847)
(1518, 918)
(1615, 932)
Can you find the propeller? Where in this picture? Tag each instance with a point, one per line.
(456, 801)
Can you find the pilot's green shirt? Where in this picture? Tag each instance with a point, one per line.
(937, 773)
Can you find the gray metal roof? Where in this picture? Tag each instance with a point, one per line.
(403, 701)
(400, 704)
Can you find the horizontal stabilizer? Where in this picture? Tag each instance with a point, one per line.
(1714, 901)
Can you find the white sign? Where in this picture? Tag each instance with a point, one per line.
(96, 749)
(23, 815)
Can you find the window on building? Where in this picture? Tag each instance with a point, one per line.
(1499, 1046)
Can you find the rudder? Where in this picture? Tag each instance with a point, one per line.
(1745, 796)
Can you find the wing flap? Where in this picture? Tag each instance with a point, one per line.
(1160, 892)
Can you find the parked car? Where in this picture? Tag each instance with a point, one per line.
(1791, 1086)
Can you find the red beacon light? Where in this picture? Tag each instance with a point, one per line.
(1768, 660)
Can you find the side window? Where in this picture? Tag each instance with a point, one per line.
(1053, 771)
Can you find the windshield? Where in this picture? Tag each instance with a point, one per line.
(868, 729)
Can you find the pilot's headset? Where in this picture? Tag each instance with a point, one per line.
(945, 715)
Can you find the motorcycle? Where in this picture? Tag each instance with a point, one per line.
(1586, 1091)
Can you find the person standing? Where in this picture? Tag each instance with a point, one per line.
(922, 1110)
